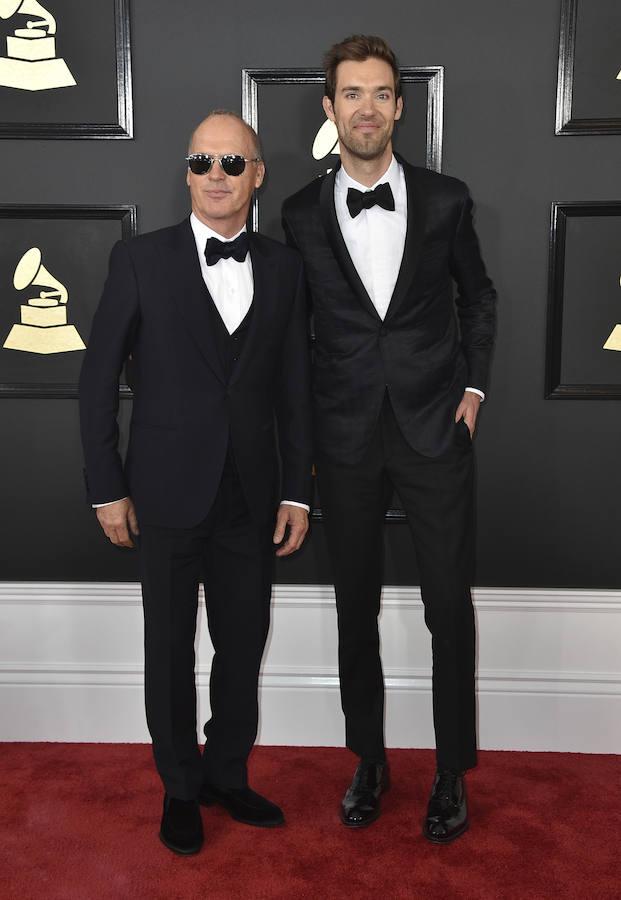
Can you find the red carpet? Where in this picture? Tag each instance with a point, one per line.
(81, 821)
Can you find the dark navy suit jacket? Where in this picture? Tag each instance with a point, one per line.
(155, 307)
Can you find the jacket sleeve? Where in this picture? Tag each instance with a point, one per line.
(293, 401)
(476, 298)
(112, 335)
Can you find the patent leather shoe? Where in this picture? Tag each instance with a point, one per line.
(181, 829)
(243, 805)
(447, 813)
(361, 803)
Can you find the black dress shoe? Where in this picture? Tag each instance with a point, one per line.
(361, 803)
(182, 827)
(447, 813)
(243, 805)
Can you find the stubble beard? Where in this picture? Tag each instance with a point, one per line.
(367, 148)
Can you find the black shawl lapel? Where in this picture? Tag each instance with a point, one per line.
(417, 216)
(337, 242)
(192, 296)
(260, 301)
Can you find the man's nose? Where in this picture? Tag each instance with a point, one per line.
(216, 173)
(367, 106)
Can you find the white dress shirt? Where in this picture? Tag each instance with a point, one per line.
(229, 282)
(375, 238)
(231, 286)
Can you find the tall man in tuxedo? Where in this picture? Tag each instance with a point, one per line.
(215, 322)
(400, 369)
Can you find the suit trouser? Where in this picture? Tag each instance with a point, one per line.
(437, 496)
(235, 558)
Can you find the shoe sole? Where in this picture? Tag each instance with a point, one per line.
(182, 851)
(215, 802)
(447, 840)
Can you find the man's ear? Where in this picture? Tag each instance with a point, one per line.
(328, 108)
(399, 108)
(260, 174)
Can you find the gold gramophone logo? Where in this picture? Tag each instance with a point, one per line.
(31, 63)
(43, 327)
(614, 338)
(326, 142)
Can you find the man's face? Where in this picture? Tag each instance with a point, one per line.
(365, 108)
(219, 200)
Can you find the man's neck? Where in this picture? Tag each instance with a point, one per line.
(366, 171)
(226, 228)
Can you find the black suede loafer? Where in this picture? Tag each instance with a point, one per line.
(361, 803)
(447, 813)
(182, 827)
(243, 805)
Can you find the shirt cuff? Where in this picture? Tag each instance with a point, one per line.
(294, 503)
(109, 503)
(477, 391)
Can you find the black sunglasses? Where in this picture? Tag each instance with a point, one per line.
(232, 164)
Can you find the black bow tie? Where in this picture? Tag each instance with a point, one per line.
(359, 200)
(238, 249)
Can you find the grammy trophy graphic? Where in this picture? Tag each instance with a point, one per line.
(326, 141)
(31, 63)
(614, 338)
(43, 327)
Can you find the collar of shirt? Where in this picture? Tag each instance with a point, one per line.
(202, 232)
(392, 175)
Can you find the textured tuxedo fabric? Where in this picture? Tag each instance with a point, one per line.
(422, 351)
(156, 307)
(202, 470)
(385, 395)
(436, 494)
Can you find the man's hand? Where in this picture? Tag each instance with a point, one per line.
(468, 410)
(118, 520)
(297, 520)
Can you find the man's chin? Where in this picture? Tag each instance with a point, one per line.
(366, 150)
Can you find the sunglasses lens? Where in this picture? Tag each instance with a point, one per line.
(233, 165)
(200, 165)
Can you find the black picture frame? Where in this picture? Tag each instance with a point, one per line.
(122, 128)
(567, 122)
(555, 388)
(431, 76)
(126, 217)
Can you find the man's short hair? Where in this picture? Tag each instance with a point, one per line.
(357, 48)
(254, 137)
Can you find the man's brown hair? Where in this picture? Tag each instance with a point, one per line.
(357, 48)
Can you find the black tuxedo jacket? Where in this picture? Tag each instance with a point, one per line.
(155, 308)
(428, 348)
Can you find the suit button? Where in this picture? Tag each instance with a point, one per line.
(383, 331)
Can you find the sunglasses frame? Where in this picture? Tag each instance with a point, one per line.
(212, 157)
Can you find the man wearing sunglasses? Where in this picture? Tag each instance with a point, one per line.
(400, 371)
(214, 320)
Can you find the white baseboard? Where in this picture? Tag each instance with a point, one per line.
(548, 667)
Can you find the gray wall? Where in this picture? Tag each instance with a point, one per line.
(548, 471)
